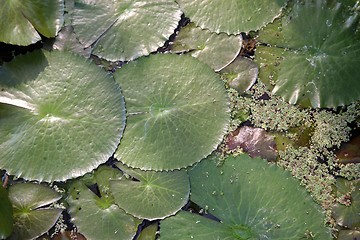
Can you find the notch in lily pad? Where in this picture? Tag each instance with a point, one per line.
(177, 112)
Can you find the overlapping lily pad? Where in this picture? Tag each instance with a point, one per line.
(177, 112)
(32, 217)
(98, 217)
(153, 195)
(216, 50)
(124, 30)
(314, 53)
(231, 16)
(252, 200)
(6, 214)
(59, 114)
(22, 22)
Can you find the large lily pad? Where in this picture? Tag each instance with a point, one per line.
(59, 114)
(6, 214)
(216, 50)
(153, 195)
(87, 208)
(321, 68)
(124, 30)
(252, 200)
(231, 16)
(177, 112)
(32, 217)
(22, 22)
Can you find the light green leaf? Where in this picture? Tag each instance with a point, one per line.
(22, 21)
(59, 114)
(241, 74)
(98, 217)
(31, 216)
(153, 195)
(149, 233)
(6, 214)
(253, 200)
(231, 16)
(177, 112)
(125, 30)
(321, 68)
(216, 50)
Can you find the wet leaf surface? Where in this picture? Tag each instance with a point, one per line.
(350, 152)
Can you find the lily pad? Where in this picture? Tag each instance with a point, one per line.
(6, 214)
(177, 112)
(216, 50)
(154, 195)
(22, 22)
(231, 16)
(32, 217)
(59, 114)
(241, 74)
(124, 30)
(86, 207)
(149, 233)
(348, 215)
(252, 200)
(321, 68)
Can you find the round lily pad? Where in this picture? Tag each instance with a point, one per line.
(125, 30)
(252, 200)
(216, 50)
(177, 112)
(321, 68)
(22, 21)
(32, 217)
(231, 16)
(153, 195)
(59, 114)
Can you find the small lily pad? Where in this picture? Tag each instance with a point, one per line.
(86, 207)
(177, 112)
(124, 30)
(6, 214)
(59, 114)
(252, 200)
(321, 68)
(32, 217)
(22, 22)
(241, 74)
(232, 16)
(216, 50)
(149, 233)
(154, 195)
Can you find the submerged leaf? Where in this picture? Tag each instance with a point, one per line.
(231, 16)
(216, 50)
(124, 30)
(22, 21)
(321, 68)
(59, 114)
(153, 195)
(177, 112)
(32, 217)
(252, 199)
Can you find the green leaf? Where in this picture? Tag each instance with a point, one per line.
(216, 50)
(22, 21)
(231, 16)
(241, 74)
(125, 30)
(31, 216)
(252, 199)
(323, 66)
(6, 214)
(153, 195)
(111, 222)
(59, 114)
(177, 112)
(149, 233)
